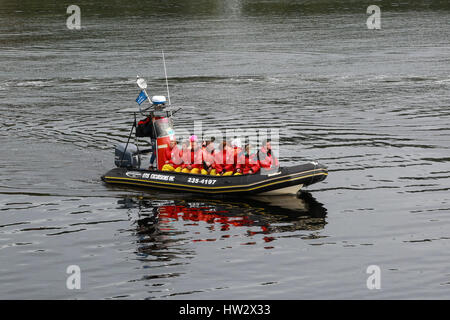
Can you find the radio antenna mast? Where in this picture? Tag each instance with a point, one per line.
(165, 73)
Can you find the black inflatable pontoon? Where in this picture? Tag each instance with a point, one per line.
(287, 181)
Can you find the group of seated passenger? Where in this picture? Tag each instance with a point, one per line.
(228, 159)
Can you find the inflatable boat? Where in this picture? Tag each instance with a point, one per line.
(158, 126)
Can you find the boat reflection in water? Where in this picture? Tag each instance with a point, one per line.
(162, 223)
(176, 237)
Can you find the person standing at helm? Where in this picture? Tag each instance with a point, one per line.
(172, 157)
(266, 158)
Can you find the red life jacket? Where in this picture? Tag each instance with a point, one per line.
(193, 158)
(209, 157)
(266, 160)
(185, 157)
(224, 162)
(237, 152)
(247, 163)
(173, 156)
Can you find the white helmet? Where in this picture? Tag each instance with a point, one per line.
(236, 143)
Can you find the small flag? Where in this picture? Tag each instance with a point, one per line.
(141, 98)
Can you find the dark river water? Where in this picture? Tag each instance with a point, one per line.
(372, 105)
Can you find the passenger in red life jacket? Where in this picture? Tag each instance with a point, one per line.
(266, 157)
(173, 159)
(193, 159)
(247, 162)
(184, 155)
(209, 158)
(224, 160)
(237, 147)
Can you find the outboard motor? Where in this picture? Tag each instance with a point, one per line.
(128, 158)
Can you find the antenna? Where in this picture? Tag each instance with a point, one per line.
(165, 73)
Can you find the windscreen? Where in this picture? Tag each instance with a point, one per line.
(164, 127)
